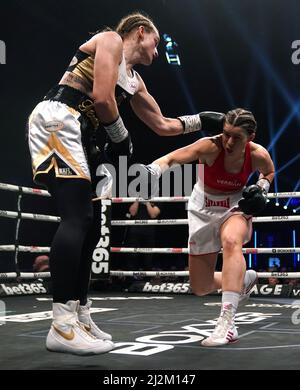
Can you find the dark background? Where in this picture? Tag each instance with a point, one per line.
(234, 53)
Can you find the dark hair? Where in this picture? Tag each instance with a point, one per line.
(242, 118)
(130, 22)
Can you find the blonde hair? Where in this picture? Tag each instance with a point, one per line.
(129, 22)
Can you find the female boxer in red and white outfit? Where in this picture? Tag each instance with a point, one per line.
(220, 210)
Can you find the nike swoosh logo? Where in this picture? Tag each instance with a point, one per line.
(67, 336)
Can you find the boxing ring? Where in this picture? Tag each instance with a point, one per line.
(154, 331)
(19, 216)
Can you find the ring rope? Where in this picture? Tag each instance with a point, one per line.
(145, 222)
(37, 191)
(171, 251)
(122, 222)
(25, 190)
(36, 217)
(34, 191)
(23, 248)
(45, 275)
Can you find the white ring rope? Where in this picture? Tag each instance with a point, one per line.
(37, 191)
(23, 248)
(48, 218)
(45, 275)
(123, 222)
(36, 217)
(25, 190)
(288, 275)
(170, 251)
(144, 222)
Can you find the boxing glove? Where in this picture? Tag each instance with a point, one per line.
(254, 200)
(209, 121)
(112, 150)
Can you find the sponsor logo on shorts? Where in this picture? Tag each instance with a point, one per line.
(65, 172)
(217, 203)
(54, 126)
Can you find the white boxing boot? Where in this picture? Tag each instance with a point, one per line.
(225, 331)
(67, 335)
(84, 317)
(250, 281)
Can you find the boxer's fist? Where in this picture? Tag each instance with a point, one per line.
(254, 200)
(210, 121)
(112, 150)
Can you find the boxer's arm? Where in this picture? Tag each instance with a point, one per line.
(254, 198)
(108, 54)
(150, 174)
(147, 109)
(199, 149)
(263, 164)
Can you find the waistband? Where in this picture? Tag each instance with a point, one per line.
(75, 99)
(199, 188)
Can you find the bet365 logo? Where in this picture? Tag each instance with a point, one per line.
(2, 53)
(296, 52)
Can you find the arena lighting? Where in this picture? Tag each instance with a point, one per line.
(287, 164)
(259, 55)
(294, 246)
(200, 23)
(184, 87)
(251, 84)
(284, 125)
(291, 200)
(173, 58)
(171, 50)
(255, 246)
(250, 260)
(271, 132)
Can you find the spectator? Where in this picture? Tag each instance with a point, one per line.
(41, 264)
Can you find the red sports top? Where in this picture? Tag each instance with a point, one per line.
(217, 178)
